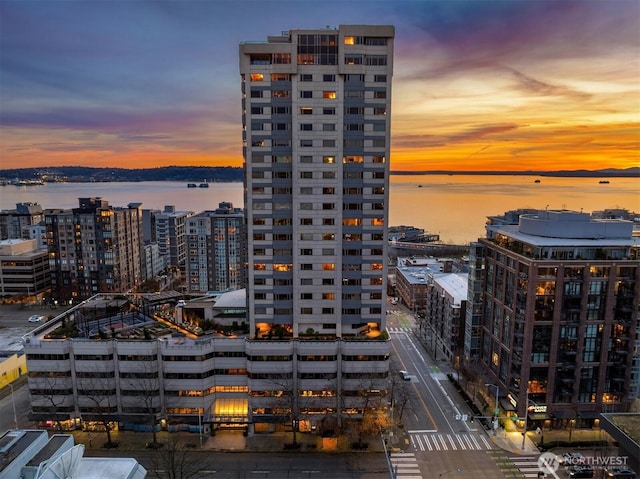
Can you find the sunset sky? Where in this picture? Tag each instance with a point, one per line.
(478, 85)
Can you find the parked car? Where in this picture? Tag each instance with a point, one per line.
(405, 375)
(619, 472)
(584, 471)
(36, 318)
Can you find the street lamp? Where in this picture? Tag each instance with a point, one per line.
(453, 470)
(13, 400)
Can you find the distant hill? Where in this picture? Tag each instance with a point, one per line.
(603, 173)
(196, 174)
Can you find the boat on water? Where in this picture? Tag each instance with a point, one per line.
(604, 182)
(419, 186)
(203, 185)
(191, 185)
(537, 181)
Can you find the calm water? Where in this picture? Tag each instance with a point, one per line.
(454, 206)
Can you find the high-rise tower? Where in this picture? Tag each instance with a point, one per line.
(316, 122)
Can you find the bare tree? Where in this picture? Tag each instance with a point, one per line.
(51, 390)
(178, 460)
(99, 395)
(141, 393)
(285, 400)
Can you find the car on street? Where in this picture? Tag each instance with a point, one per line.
(405, 375)
(620, 472)
(582, 471)
(36, 318)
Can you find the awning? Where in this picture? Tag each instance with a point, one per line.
(538, 416)
(235, 410)
(564, 414)
(506, 405)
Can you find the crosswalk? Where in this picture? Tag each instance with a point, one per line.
(399, 330)
(449, 442)
(405, 465)
(527, 465)
(514, 466)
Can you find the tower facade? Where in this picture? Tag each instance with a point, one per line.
(94, 248)
(216, 250)
(316, 124)
(561, 296)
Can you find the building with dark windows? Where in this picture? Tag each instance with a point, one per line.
(94, 248)
(14, 223)
(561, 294)
(216, 250)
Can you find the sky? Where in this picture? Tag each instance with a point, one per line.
(510, 85)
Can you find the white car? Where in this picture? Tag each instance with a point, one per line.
(36, 318)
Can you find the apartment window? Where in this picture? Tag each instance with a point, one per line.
(380, 78)
(328, 221)
(328, 191)
(306, 77)
(328, 206)
(378, 159)
(354, 94)
(306, 267)
(328, 251)
(328, 267)
(375, 41)
(327, 282)
(306, 190)
(306, 295)
(306, 252)
(328, 78)
(329, 159)
(376, 60)
(257, 77)
(380, 111)
(306, 143)
(306, 221)
(354, 110)
(328, 143)
(379, 127)
(328, 111)
(306, 206)
(306, 310)
(306, 159)
(280, 93)
(306, 175)
(353, 59)
(256, 110)
(280, 110)
(306, 282)
(380, 94)
(379, 143)
(306, 110)
(280, 77)
(281, 59)
(329, 94)
(328, 236)
(328, 127)
(306, 236)
(354, 127)
(306, 127)
(256, 93)
(328, 175)
(257, 142)
(280, 142)
(306, 94)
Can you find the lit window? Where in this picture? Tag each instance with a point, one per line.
(257, 77)
(328, 267)
(349, 40)
(329, 159)
(329, 94)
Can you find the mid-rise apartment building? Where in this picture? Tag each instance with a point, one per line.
(561, 297)
(94, 248)
(170, 234)
(216, 250)
(13, 222)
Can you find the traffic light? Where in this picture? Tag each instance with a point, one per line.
(471, 420)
